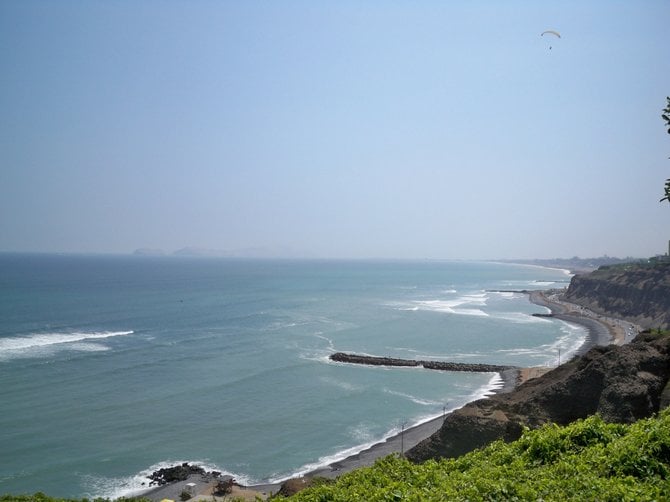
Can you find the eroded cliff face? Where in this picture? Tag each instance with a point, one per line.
(637, 293)
(621, 383)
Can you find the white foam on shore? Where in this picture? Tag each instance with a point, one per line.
(38, 344)
(495, 383)
(328, 460)
(325, 461)
(572, 338)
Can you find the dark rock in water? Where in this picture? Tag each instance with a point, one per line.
(621, 383)
(173, 474)
(372, 360)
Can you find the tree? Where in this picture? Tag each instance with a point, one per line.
(666, 116)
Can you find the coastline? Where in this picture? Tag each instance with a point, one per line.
(397, 443)
(406, 439)
(599, 331)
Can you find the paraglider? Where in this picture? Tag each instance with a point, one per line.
(550, 32)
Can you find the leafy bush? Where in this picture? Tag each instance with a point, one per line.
(586, 460)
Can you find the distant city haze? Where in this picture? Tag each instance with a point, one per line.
(441, 130)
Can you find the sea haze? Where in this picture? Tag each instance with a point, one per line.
(111, 367)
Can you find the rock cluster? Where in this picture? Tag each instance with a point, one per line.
(181, 472)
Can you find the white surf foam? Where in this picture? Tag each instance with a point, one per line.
(360, 432)
(507, 295)
(525, 351)
(329, 341)
(45, 343)
(89, 347)
(455, 306)
(138, 484)
(573, 338)
(414, 399)
(495, 382)
(341, 384)
(328, 460)
(566, 345)
(519, 317)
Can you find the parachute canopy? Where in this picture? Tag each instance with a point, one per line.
(551, 32)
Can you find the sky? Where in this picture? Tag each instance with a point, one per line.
(335, 129)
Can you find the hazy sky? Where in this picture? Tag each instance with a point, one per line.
(335, 128)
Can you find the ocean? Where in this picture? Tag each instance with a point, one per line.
(114, 366)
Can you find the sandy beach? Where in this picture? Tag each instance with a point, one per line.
(600, 331)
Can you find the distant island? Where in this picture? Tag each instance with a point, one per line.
(202, 252)
(148, 252)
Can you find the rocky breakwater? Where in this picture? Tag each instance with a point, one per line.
(509, 374)
(621, 383)
(343, 357)
(636, 292)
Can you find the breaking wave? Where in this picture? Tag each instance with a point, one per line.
(40, 344)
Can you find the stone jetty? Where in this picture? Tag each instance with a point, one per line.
(343, 357)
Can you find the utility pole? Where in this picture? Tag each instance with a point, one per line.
(402, 438)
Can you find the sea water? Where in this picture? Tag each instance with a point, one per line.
(112, 367)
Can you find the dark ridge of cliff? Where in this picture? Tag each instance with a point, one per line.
(638, 293)
(620, 383)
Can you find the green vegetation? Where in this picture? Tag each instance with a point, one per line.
(586, 460)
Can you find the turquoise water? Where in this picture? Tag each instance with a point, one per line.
(111, 367)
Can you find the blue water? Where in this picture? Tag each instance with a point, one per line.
(111, 367)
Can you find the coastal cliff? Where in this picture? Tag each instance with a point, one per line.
(638, 293)
(620, 383)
